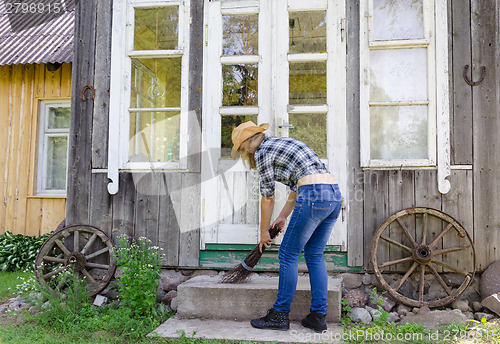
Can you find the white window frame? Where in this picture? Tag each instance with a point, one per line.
(436, 43)
(119, 108)
(44, 134)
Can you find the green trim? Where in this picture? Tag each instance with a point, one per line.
(227, 256)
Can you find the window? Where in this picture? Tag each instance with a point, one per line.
(53, 147)
(149, 85)
(401, 75)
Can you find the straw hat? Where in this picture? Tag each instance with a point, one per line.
(243, 132)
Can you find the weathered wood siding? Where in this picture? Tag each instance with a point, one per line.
(21, 89)
(162, 206)
(475, 151)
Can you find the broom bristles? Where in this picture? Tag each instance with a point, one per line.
(241, 273)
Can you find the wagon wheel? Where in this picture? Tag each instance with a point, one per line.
(83, 250)
(422, 242)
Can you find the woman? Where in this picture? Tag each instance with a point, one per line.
(316, 202)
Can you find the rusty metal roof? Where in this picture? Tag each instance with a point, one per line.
(42, 33)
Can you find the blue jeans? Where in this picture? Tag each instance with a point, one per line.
(314, 215)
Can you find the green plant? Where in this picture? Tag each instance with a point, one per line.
(377, 300)
(346, 313)
(18, 252)
(9, 281)
(140, 264)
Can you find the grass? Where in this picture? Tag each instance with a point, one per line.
(8, 282)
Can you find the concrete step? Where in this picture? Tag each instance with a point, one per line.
(203, 297)
(243, 331)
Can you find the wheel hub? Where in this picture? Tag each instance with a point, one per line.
(422, 254)
(77, 260)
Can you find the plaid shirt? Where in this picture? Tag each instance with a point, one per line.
(285, 160)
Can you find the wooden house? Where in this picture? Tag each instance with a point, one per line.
(400, 98)
(36, 51)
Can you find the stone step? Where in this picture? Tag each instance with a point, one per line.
(204, 297)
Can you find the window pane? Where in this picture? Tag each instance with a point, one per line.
(307, 83)
(307, 32)
(398, 75)
(154, 136)
(239, 85)
(241, 34)
(398, 19)
(57, 150)
(156, 28)
(156, 83)
(228, 123)
(310, 129)
(398, 132)
(59, 117)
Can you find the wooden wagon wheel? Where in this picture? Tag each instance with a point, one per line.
(83, 250)
(422, 242)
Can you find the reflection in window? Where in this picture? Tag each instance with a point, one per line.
(156, 28)
(154, 136)
(310, 129)
(307, 83)
(241, 34)
(307, 32)
(228, 123)
(239, 85)
(156, 83)
(398, 19)
(398, 132)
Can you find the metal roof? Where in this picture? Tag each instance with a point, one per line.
(42, 33)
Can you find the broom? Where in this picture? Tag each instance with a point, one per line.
(241, 273)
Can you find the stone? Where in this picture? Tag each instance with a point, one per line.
(383, 300)
(3, 308)
(477, 306)
(171, 279)
(415, 310)
(360, 315)
(187, 272)
(492, 302)
(356, 298)
(351, 281)
(433, 320)
(375, 313)
(366, 279)
(472, 293)
(173, 304)
(393, 317)
(461, 305)
(163, 308)
(100, 300)
(469, 315)
(480, 315)
(490, 283)
(204, 273)
(167, 299)
(402, 309)
(453, 280)
(424, 310)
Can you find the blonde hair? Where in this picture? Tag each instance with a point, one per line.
(253, 143)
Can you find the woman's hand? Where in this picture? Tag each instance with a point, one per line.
(265, 240)
(280, 221)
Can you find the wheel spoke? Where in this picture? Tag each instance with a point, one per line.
(441, 235)
(53, 259)
(406, 275)
(440, 280)
(397, 261)
(55, 272)
(62, 247)
(97, 266)
(448, 250)
(91, 279)
(449, 267)
(76, 241)
(89, 243)
(407, 233)
(422, 282)
(424, 234)
(97, 253)
(395, 243)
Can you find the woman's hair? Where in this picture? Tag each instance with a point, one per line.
(253, 143)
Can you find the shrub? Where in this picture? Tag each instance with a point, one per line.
(18, 252)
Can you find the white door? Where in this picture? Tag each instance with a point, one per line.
(275, 61)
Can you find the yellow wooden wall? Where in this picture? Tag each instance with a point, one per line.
(22, 87)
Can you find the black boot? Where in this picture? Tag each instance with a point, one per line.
(274, 320)
(316, 321)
